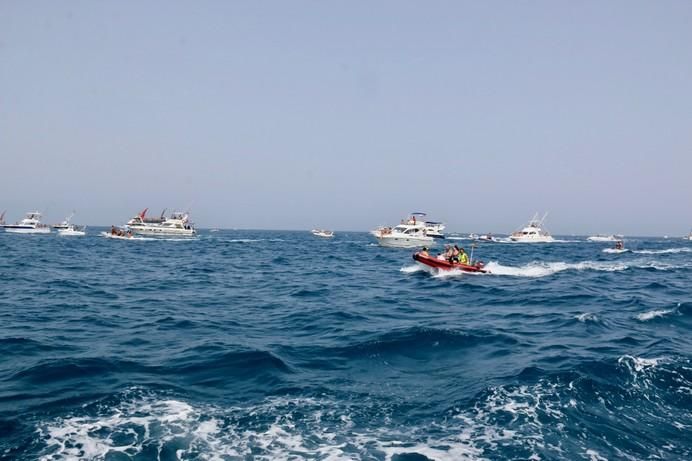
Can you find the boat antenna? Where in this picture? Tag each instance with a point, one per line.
(473, 245)
(163, 213)
(543, 218)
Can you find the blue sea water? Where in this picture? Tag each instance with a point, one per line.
(270, 345)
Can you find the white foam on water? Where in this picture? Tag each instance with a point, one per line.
(615, 250)
(543, 269)
(663, 252)
(594, 456)
(639, 364)
(646, 316)
(411, 269)
(587, 317)
(520, 418)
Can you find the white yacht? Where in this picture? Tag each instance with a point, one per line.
(432, 228)
(72, 231)
(177, 225)
(405, 236)
(533, 232)
(322, 233)
(31, 224)
(604, 238)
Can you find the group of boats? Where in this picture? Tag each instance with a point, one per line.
(178, 224)
(31, 224)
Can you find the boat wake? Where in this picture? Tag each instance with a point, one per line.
(541, 269)
(663, 252)
(616, 250)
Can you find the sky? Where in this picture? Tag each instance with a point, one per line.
(349, 115)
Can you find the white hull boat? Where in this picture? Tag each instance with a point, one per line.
(31, 224)
(603, 238)
(416, 220)
(405, 236)
(533, 232)
(72, 231)
(322, 233)
(405, 241)
(177, 225)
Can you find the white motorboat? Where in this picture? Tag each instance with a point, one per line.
(65, 224)
(405, 236)
(177, 225)
(322, 233)
(487, 238)
(604, 238)
(432, 228)
(72, 231)
(31, 224)
(533, 232)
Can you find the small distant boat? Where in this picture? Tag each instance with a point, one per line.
(65, 224)
(72, 231)
(486, 238)
(689, 236)
(533, 232)
(604, 238)
(31, 224)
(119, 234)
(440, 263)
(322, 233)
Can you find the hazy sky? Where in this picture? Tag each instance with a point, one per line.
(348, 115)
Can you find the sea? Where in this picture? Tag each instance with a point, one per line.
(277, 345)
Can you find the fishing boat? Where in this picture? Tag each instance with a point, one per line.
(31, 224)
(533, 232)
(178, 224)
(72, 231)
(322, 233)
(440, 263)
(65, 224)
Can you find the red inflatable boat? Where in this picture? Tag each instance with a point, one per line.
(445, 265)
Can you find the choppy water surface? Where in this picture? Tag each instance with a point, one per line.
(279, 345)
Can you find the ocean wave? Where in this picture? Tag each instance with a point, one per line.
(526, 420)
(662, 252)
(420, 341)
(656, 313)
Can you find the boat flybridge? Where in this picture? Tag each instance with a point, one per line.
(533, 232)
(178, 224)
(31, 224)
